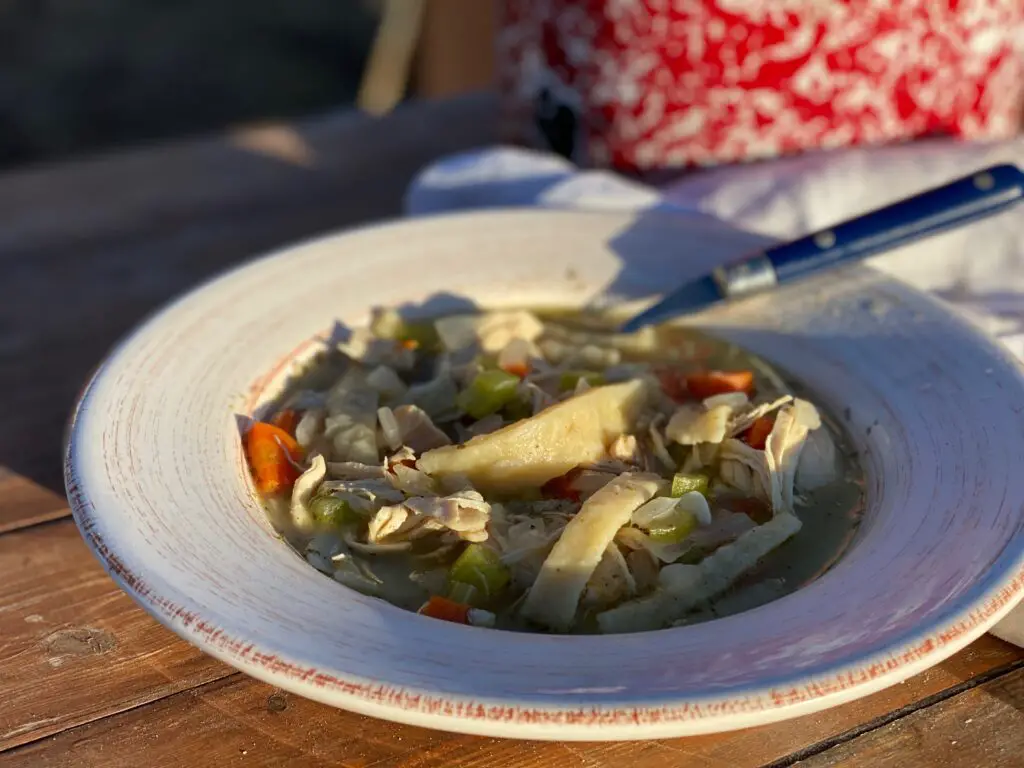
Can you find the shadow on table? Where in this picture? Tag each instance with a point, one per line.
(89, 249)
(1007, 688)
(666, 246)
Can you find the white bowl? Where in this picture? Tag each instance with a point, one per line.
(160, 490)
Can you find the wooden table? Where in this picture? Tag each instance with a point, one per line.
(88, 679)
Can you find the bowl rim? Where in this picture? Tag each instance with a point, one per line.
(980, 607)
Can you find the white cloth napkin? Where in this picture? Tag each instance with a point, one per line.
(979, 269)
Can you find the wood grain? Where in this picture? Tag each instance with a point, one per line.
(73, 646)
(27, 503)
(244, 721)
(386, 74)
(456, 51)
(981, 727)
(89, 248)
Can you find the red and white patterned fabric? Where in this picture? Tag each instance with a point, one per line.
(644, 84)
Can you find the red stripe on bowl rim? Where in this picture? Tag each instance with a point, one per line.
(883, 669)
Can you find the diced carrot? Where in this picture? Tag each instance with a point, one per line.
(561, 487)
(286, 420)
(757, 435)
(711, 383)
(438, 607)
(521, 370)
(272, 455)
(409, 344)
(757, 510)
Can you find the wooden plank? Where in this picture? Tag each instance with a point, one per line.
(89, 248)
(456, 48)
(27, 503)
(244, 721)
(357, 166)
(387, 71)
(981, 727)
(73, 646)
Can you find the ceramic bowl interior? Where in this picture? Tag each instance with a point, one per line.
(159, 485)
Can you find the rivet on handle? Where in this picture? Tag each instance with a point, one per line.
(984, 181)
(825, 239)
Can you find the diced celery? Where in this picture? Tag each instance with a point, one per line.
(488, 393)
(570, 379)
(388, 324)
(424, 334)
(680, 453)
(333, 512)
(685, 483)
(694, 555)
(479, 567)
(673, 528)
(517, 408)
(464, 593)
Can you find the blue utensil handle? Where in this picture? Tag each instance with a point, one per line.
(973, 197)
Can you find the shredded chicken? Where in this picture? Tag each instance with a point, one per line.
(417, 430)
(465, 513)
(625, 448)
(611, 582)
(436, 397)
(582, 385)
(307, 400)
(386, 382)
(782, 451)
(735, 401)
(486, 425)
(664, 552)
(354, 470)
(303, 491)
(363, 495)
(370, 350)
(387, 521)
(664, 509)
(642, 342)
(310, 428)
(330, 555)
(743, 419)
(683, 587)
(518, 354)
(401, 471)
(644, 568)
(745, 469)
(389, 428)
(556, 592)
(554, 350)
(587, 482)
(692, 424)
(351, 423)
(658, 447)
(371, 548)
(526, 543)
(538, 397)
(819, 462)
(491, 331)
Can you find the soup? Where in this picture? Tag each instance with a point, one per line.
(540, 472)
